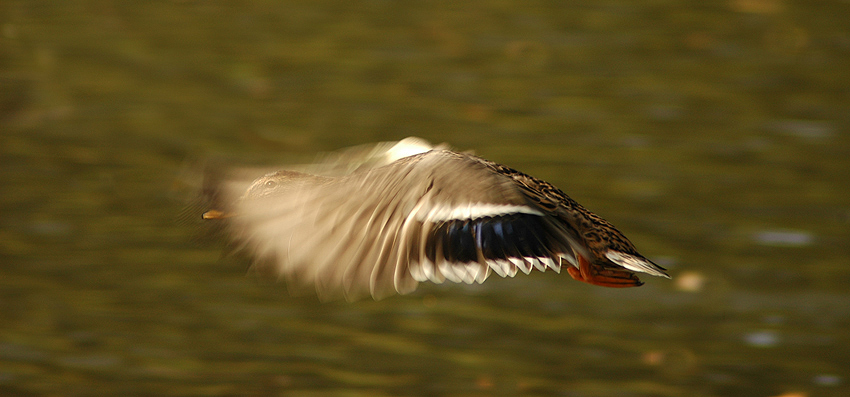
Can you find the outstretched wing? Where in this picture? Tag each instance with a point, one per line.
(433, 216)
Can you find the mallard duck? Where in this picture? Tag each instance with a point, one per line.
(410, 212)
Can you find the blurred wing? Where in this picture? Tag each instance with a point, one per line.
(434, 216)
(363, 157)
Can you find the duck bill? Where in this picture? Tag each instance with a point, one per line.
(216, 214)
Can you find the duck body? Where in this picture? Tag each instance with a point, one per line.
(435, 215)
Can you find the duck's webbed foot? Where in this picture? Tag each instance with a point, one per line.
(603, 276)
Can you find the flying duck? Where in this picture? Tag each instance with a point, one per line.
(379, 224)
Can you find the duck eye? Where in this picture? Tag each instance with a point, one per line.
(270, 184)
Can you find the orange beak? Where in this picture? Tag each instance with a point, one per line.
(215, 214)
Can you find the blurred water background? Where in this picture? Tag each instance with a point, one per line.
(713, 134)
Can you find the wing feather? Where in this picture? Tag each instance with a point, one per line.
(374, 232)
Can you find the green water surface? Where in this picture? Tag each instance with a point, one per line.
(713, 134)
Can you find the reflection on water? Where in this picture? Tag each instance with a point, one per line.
(713, 136)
